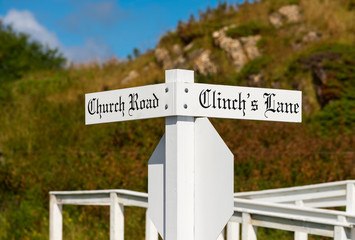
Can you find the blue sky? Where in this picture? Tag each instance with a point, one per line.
(95, 29)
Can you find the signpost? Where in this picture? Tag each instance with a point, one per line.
(190, 173)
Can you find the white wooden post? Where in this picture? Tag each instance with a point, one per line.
(116, 218)
(248, 230)
(233, 229)
(55, 219)
(179, 169)
(341, 233)
(300, 235)
(350, 203)
(151, 232)
(222, 236)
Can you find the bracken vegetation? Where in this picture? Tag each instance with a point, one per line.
(45, 146)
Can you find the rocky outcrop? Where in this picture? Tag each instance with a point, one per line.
(249, 44)
(177, 49)
(255, 80)
(327, 88)
(132, 75)
(165, 61)
(240, 51)
(311, 36)
(163, 58)
(286, 14)
(203, 63)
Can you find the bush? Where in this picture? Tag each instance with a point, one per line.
(247, 29)
(19, 55)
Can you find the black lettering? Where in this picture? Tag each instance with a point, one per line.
(280, 107)
(254, 105)
(155, 101)
(91, 106)
(205, 98)
(142, 104)
(241, 102)
(234, 103)
(269, 103)
(133, 103)
(296, 108)
(226, 101)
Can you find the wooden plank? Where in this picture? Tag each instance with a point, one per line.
(84, 199)
(55, 219)
(292, 225)
(116, 218)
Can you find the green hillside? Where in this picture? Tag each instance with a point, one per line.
(287, 44)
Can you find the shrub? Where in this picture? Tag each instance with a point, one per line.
(19, 55)
(247, 29)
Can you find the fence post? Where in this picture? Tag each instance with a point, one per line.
(300, 235)
(233, 229)
(350, 202)
(151, 232)
(116, 218)
(341, 233)
(248, 230)
(55, 219)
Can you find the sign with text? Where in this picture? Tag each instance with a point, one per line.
(207, 100)
(193, 99)
(127, 104)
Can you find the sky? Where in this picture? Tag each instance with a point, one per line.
(96, 30)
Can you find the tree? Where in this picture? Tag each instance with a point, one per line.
(136, 52)
(19, 55)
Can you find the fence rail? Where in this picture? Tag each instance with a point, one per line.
(290, 209)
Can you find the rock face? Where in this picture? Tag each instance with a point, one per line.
(327, 89)
(199, 58)
(275, 19)
(291, 12)
(286, 14)
(249, 44)
(240, 51)
(203, 63)
(163, 58)
(311, 36)
(132, 75)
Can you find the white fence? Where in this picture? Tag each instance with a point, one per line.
(295, 209)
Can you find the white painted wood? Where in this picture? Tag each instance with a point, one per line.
(319, 195)
(116, 218)
(350, 198)
(213, 181)
(329, 223)
(55, 219)
(322, 216)
(179, 169)
(156, 185)
(350, 203)
(222, 235)
(293, 225)
(300, 235)
(341, 233)
(85, 199)
(128, 104)
(233, 230)
(203, 100)
(151, 232)
(219, 101)
(248, 230)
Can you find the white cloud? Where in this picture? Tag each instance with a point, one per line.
(92, 50)
(25, 21)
